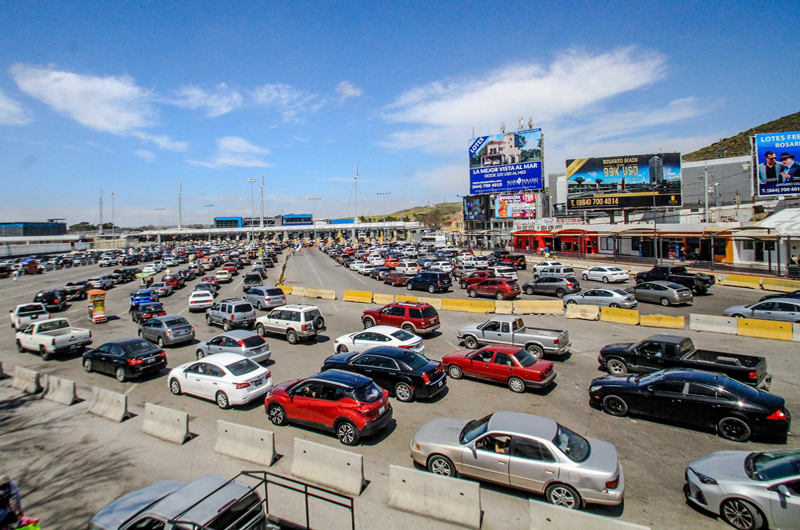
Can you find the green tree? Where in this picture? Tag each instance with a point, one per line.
(579, 181)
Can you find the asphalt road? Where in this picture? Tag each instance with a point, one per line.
(654, 455)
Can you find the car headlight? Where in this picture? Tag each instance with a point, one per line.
(704, 479)
(594, 388)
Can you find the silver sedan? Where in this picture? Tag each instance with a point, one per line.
(240, 341)
(664, 293)
(782, 309)
(528, 452)
(604, 298)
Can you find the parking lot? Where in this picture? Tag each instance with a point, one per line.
(654, 455)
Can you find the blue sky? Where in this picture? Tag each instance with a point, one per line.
(136, 97)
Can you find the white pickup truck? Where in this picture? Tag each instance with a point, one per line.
(52, 337)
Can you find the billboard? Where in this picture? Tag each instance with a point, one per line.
(515, 206)
(632, 181)
(777, 172)
(509, 161)
(476, 208)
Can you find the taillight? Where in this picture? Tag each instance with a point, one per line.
(134, 362)
(53, 342)
(306, 327)
(233, 317)
(777, 415)
(753, 375)
(555, 341)
(162, 354)
(240, 386)
(405, 346)
(169, 332)
(612, 484)
(426, 378)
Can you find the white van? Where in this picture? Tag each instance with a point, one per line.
(502, 271)
(407, 267)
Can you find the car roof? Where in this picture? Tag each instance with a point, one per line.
(503, 348)
(299, 307)
(391, 351)
(419, 305)
(787, 300)
(239, 333)
(527, 424)
(381, 329)
(221, 358)
(199, 501)
(132, 503)
(128, 342)
(342, 378)
(505, 318)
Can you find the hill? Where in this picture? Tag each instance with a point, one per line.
(739, 145)
(448, 209)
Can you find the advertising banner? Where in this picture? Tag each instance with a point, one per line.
(515, 206)
(632, 181)
(476, 208)
(777, 170)
(509, 161)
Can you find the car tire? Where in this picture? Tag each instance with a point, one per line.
(464, 285)
(741, 514)
(455, 372)
(208, 320)
(260, 306)
(560, 293)
(616, 367)
(471, 342)
(139, 333)
(605, 279)
(226, 326)
(319, 323)
(571, 302)
(87, 366)
(734, 429)
(409, 328)
(44, 354)
(431, 288)
(535, 277)
(613, 306)
(175, 387)
(160, 342)
(409, 286)
(20, 348)
(341, 348)
(441, 465)
(472, 293)
(584, 277)
(564, 496)
(499, 296)
(222, 400)
(529, 291)
(516, 385)
(665, 302)
(291, 337)
(615, 405)
(200, 354)
(276, 414)
(120, 374)
(368, 322)
(404, 392)
(346, 432)
(261, 330)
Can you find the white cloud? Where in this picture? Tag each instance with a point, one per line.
(144, 154)
(235, 151)
(289, 101)
(221, 101)
(162, 141)
(11, 112)
(346, 90)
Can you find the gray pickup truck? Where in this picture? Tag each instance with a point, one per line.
(512, 331)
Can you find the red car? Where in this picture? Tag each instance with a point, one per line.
(176, 282)
(212, 280)
(395, 279)
(391, 263)
(510, 365)
(231, 267)
(347, 404)
(500, 288)
(474, 278)
(416, 318)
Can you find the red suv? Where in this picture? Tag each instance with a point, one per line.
(416, 318)
(345, 403)
(231, 267)
(176, 282)
(500, 288)
(475, 278)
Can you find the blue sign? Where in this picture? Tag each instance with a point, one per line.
(777, 172)
(506, 162)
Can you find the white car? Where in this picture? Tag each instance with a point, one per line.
(150, 269)
(24, 314)
(407, 267)
(361, 341)
(444, 266)
(159, 265)
(505, 272)
(605, 274)
(546, 264)
(227, 378)
(366, 269)
(357, 265)
(101, 282)
(200, 301)
(376, 261)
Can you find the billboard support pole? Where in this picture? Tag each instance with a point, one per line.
(705, 189)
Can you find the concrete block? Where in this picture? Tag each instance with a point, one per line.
(764, 329)
(245, 443)
(405, 298)
(435, 302)
(324, 294)
(27, 380)
(364, 297)
(550, 517)
(287, 289)
(335, 468)
(60, 390)
(166, 424)
(504, 307)
(583, 312)
(738, 280)
(662, 321)
(714, 324)
(796, 332)
(382, 299)
(298, 291)
(109, 405)
(538, 307)
(619, 316)
(776, 284)
(447, 499)
(2, 374)
(468, 306)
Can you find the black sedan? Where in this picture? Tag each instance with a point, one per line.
(703, 399)
(125, 359)
(143, 312)
(406, 374)
(793, 294)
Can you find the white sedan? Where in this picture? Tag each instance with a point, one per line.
(227, 378)
(605, 275)
(444, 266)
(200, 301)
(361, 341)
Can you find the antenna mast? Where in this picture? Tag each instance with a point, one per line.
(101, 211)
(261, 195)
(180, 207)
(355, 198)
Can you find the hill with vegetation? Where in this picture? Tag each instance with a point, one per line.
(739, 145)
(445, 209)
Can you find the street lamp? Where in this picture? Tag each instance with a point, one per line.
(384, 194)
(112, 214)
(314, 216)
(210, 226)
(252, 208)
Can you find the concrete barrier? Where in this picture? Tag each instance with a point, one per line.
(776, 284)
(713, 324)
(619, 316)
(764, 329)
(738, 280)
(550, 517)
(436, 303)
(60, 390)
(365, 297)
(245, 443)
(324, 294)
(287, 289)
(405, 298)
(383, 299)
(29, 381)
(2, 374)
(504, 307)
(662, 321)
(109, 405)
(796, 332)
(328, 466)
(582, 312)
(298, 291)
(467, 306)
(538, 307)
(166, 424)
(447, 499)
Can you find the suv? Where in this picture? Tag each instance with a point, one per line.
(54, 299)
(231, 313)
(554, 272)
(553, 285)
(416, 318)
(430, 281)
(295, 321)
(266, 297)
(500, 288)
(250, 280)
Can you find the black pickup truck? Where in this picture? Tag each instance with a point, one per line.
(669, 351)
(699, 283)
(77, 290)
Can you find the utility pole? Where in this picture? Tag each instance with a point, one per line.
(180, 207)
(252, 209)
(261, 193)
(101, 211)
(705, 187)
(112, 215)
(355, 198)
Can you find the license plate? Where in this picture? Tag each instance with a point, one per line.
(151, 360)
(257, 382)
(440, 383)
(382, 410)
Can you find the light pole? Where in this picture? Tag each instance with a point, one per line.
(159, 210)
(112, 216)
(314, 216)
(252, 209)
(384, 194)
(716, 199)
(210, 226)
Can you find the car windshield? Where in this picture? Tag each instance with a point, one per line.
(242, 308)
(474, 429)
(740, 389)
(151, 307)
(575, 446)
(274, 292)
(53, 325)
(139, 347)
(649, 379)
(415, 361)
(402, 334)
(772, 465)
(679, 270)
(245, 366)
(369, 393)
(253, 341)
(176, 322)
(312, 315)
(525, 358)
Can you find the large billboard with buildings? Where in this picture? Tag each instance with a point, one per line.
(632, 181)
(504, 162)
(777, 172)
(515, 206)
(476, 208)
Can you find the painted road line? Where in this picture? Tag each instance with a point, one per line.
(314, 270)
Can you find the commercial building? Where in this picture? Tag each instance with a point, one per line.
(53, 227)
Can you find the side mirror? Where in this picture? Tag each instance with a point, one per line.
(650, 388)
(783, 490)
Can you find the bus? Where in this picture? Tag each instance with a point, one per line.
(435, 241)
